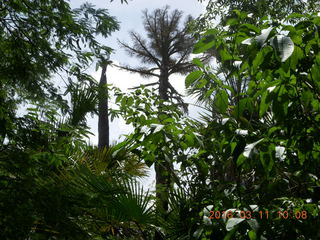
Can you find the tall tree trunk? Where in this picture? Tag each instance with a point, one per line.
(161, 166)
(163, 183)
(103, 124)
(163, 85)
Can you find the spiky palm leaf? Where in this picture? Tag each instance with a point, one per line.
(180, 221)
(115, 160)
(118, 205)
(84, 99)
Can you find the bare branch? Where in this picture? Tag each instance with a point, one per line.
(142, 71)
(138, 52)
(141, 43)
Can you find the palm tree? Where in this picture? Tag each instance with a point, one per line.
(163, 53)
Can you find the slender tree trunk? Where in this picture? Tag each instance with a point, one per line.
(103, 124)
(161, 166)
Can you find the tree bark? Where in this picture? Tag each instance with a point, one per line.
(103, 123)
(163, 86)
(161, 166)
(163, 185)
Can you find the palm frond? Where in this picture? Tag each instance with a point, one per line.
(113, 161)
(84, 99)
(180, 222)
(135, 204)
(120, 205)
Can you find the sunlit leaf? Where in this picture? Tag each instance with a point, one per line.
(248, 149)
(283, 45)
(232, 222)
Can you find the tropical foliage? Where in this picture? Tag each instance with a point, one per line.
(52, 182)
(262, 147)
(166, 52)
(246, 168)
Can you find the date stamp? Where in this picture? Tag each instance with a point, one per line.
(298, 215)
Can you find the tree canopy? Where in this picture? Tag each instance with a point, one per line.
(165, 51)
(246, 168)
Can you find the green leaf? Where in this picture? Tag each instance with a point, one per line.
(280, 103)
(123, 102)
(267, 158)
(197, 62)
(296, 57)
(221, 101)
(242, 105)
(264, 104)
(315, 105)
(192, 77)
(250, 27)
(130, 101)
(306, 98)
(228, 88)
(302, 157)
(183, 145)
(232, 146)
(189, 140)
(241, 159)
(294, 15)
(201, 83)
(232, 22)
(252, 235)
(226, 56)
(315, 72)
(203, 167)
(260, 58)
(204, 44)
(230, 234)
